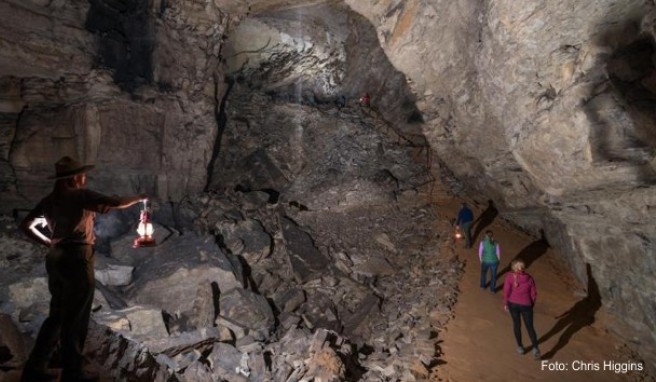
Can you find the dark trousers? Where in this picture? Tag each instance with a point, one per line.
(466, 231)
(493, 275)
(71, 283)
(527, 313)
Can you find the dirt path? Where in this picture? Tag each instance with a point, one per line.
(478, 344)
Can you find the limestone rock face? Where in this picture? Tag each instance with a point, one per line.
(103, 82)
(315, 53)
(333, 159)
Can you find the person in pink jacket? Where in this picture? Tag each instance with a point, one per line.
(519, 296)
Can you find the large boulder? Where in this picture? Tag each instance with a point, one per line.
(246, 238)
(111, 273)
(249, 309)
(184, 277)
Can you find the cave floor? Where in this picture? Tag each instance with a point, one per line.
(478, 343)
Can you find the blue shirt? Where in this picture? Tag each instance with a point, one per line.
(464, 216)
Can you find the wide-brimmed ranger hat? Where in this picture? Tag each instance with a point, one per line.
(67, 167)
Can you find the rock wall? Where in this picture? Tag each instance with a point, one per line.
(129, 86)
(315, 54)
(547, 108)
(320, 157)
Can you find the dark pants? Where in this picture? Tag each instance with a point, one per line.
(527, 313)
(71, 283)
(493, 279)
(466, 230)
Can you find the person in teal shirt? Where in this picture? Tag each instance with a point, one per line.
(489, 253)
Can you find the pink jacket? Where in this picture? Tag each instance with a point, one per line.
(519, 288)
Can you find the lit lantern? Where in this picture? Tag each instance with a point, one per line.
(458, 234)
(145, 229)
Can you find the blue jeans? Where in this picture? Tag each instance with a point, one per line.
(493, 268)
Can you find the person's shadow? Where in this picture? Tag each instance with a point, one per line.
(528, 255)
(486, 218)
(582, 314)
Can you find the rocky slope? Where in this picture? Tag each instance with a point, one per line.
(352, 280)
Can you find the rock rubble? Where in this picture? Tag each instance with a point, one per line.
(371, 311)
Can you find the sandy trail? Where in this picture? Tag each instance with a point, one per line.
(478, 344)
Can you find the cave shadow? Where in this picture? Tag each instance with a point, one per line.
(528, 255)
(622, 109)
(248, 275)
(582, 314)
(125, 35)
(486, 218)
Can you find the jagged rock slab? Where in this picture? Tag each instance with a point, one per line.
(184, 278)
(123, 359)
(114, 274)
(198, 372)
(246, 238)
(228, 363)
(145, 322)
(174, 345)
(289, 300)
(248, 309)
(304, 258)
(356, 323)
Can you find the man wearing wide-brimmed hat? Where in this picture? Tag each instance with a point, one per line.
(68, 213)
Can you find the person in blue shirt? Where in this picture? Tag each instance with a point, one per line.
(464, 222)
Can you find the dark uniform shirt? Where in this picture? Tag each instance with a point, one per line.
(465, 215)
(71, 213)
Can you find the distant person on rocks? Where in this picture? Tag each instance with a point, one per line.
(519, 296)
(341, 102)
(464, 222)
(489, 253)
(68, 213)
(365, 100)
